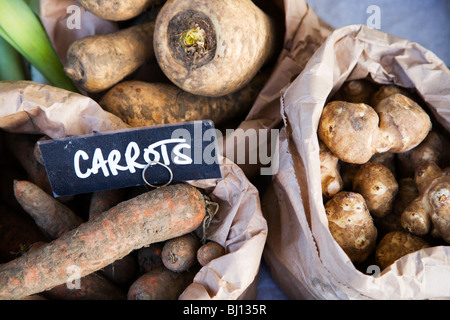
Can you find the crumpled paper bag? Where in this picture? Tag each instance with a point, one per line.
(29, 107)
(303, 257)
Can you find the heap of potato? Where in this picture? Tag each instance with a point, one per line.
(385, 184)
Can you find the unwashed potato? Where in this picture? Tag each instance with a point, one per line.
(329, 169)
(430, 211)
(376, 183)
(354, 132)
(395, 245)
(351, 225)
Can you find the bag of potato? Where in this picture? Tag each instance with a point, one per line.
(326, 249)
(29, 108)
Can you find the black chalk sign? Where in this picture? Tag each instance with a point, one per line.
(156, 155)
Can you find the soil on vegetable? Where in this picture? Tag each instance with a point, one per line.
(182, 23)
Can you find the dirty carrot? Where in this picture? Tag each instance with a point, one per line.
(160, 284)
(154, 216)
(91, 287)
(51, 216)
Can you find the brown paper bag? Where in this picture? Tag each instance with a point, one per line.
(303, 257)
(29, 107)
(304, 33)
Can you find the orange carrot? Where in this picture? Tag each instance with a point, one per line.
(52, 217)
(152, 217)
(209, 251)
(179, 254)
(91, 287)
(55, 219)
(160, 284)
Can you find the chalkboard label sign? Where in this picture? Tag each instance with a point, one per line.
(156, 155)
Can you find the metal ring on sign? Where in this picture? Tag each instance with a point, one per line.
(151, 163)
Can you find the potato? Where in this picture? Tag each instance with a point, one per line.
(329, 169)
(354, 132)
(356, 91)
(351, 225)
(347, 129)
(376, 183)
(395, 245)
(430, 150)
(430, 211)
(386, 91)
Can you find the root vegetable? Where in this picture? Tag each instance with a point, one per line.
(407, 192)
(51, 216)
(430, 211)
(351, 225)
(355, 132)
(386, 91)
(212, 47)
(430, 150)
(329, 169)
(151, 217)
(143, 104)
(160, 284)
(387, 159)
(356, 91)
(54, 219)
(91, 287)
(395, 245)
(208, 252)
(179, 254)
(378, 186)
(403, 123)
(96, 63)
(118, 10)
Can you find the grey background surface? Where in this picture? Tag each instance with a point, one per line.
(426, 22)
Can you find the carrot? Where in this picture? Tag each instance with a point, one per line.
(141, 103)
(179, 254)
(118, 10)
(17, 232)
(149, 258)
(91, 287)
(212, 47)
(52, 217)
(160, 284)
(151, 217)
(97, 62)
(209, 251)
